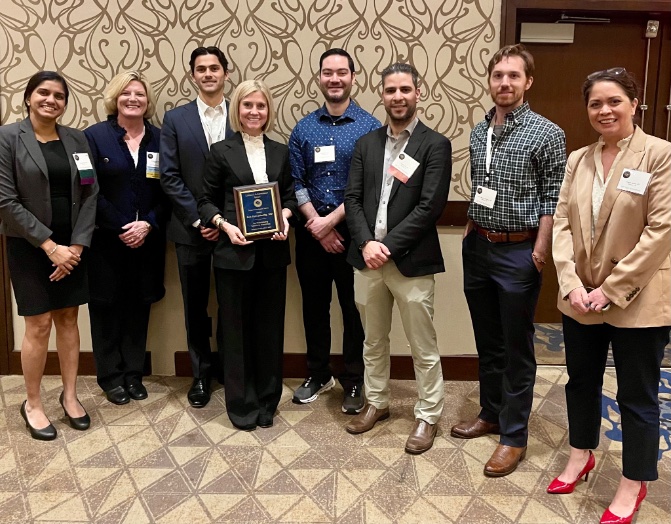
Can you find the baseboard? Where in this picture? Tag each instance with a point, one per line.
(87, 365)
(457, 367)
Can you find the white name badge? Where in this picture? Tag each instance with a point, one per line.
(634, 181)
(324, 154)
(83, 161)
(152, 165)
(485, 196)
(403, 167)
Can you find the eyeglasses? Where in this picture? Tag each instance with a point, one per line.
(613, 71)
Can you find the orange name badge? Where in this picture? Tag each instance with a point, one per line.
(403, 167)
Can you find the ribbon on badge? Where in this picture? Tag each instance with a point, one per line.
(86, 173)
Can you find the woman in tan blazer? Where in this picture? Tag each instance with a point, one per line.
(612, 239)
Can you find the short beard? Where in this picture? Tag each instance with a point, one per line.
(335, 99)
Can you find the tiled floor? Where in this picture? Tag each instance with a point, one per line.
(161, 461)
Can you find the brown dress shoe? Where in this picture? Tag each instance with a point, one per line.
(474, 429)
(365, 420)
(421, 437)
(504, 460)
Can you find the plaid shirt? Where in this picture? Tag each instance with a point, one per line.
(527, 169)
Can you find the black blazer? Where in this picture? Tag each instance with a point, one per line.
(227, 167)
(413, 208)
(183, 151)
(25, 198)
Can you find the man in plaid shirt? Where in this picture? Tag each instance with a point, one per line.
(517, 166)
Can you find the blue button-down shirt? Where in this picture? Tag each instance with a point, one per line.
(324, 183)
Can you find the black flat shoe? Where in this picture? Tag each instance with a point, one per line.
(79, 423)
(137, 391)
(199, 393)
(266, 421)
(118, 395)
(48, 433)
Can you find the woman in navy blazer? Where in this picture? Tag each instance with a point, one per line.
(128, 247)
(47, 209)
(250, 276)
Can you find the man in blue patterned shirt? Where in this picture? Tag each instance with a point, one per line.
(320, 149)
(517, 166)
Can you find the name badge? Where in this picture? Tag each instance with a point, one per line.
(634, 181)
(85, 168)
(485, 196)
(324, 154)
(152, 165)
(403, 167)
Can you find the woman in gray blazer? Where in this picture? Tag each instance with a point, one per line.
(47, 208)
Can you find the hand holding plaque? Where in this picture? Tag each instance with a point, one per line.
(259, 210)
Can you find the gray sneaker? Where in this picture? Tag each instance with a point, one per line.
(310, 390)
(353, 401)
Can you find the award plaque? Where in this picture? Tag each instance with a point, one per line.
(259, 210)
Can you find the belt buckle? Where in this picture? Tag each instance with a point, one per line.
(487, 236)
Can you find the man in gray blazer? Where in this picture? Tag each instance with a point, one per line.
(398, 186)
(188, 132)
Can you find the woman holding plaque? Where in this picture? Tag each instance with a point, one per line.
(250, 273)
(47, 212)
(612, 237)
(128, 247)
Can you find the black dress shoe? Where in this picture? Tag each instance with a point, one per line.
(199, 394)
(118, 395)
(137, 391)
(79, 423)
(48, 433)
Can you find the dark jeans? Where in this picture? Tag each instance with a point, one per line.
(501, 284)
(637, 354)
(317, 270)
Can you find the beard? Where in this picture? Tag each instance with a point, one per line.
(405, 117)
(334, 99)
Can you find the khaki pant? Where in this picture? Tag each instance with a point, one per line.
(375, 291)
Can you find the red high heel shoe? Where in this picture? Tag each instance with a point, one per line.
(557, 487)
(612, 518)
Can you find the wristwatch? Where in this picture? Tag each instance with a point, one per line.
(363, 244)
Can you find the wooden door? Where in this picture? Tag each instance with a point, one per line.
(561, 70)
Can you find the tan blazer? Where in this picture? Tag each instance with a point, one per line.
(630, 255)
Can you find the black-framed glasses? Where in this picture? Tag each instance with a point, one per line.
(613, 71)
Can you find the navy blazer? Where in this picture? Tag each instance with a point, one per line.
(115, 270)
(183, 152)
(227, 167)
(413, 208)
(25, 198)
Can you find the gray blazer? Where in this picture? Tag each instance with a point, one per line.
(25, 200)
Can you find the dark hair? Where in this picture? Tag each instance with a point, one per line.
(339, 52)
(618, 75)
(211, 50)
(37, 79)
(400, 67)
(513, 50)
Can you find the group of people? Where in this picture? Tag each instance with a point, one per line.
(87, 214)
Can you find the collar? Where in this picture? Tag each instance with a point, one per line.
(350, 113)
(120, 131)
(514, 116)
(410, 128)
(202, 106)
(622, 144)
(256, 140)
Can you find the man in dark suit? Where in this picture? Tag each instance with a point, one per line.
(398, 186)
(188, 132)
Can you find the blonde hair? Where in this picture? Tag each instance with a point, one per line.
(119, 83)
(241, 92)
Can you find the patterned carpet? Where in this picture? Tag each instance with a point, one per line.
(160, 461)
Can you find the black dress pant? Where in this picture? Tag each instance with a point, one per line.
(195, 266)
(501, 284)
(317, 270)
(119, 336)
(637, 354)
(251, 311)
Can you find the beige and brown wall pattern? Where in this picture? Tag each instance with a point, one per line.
(280, 41)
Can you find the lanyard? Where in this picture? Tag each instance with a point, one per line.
(488, 157)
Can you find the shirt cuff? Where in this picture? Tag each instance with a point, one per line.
(196, 223)
(302, 196)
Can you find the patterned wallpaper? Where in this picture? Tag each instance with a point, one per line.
(280, 41)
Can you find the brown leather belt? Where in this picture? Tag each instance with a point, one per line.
(506, 236)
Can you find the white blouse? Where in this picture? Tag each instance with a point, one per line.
(256, 155)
